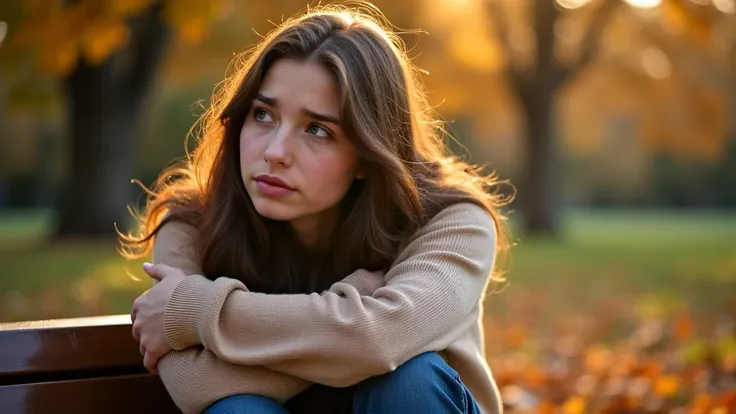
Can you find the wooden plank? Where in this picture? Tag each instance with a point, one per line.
(35, 347)
(106, 320)
(128, 394)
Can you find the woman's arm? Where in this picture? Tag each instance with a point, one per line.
(194, 377)
(340, 338)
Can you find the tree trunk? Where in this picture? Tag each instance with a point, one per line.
(537, 97)
(106, 104)
(540, 183)
(102, 135)
(540, 192)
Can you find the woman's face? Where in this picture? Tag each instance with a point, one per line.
(295, 160)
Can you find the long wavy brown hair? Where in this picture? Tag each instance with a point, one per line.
(410, 176)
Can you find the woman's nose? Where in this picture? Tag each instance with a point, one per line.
(278, 150)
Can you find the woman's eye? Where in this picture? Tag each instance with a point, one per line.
(262, 115)
(318, 131)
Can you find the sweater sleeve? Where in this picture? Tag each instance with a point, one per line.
(340, 337)
(195, 378)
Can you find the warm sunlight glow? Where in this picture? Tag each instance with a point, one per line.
(656, 63)
(468, 39)
(644, 4)
(674, 22)
(725, 6)
(572, 4)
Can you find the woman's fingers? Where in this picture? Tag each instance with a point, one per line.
(158, 271)
(150, 362)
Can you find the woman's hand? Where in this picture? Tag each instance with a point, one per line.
(148, 313)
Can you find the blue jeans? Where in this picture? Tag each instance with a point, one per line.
(424, 384)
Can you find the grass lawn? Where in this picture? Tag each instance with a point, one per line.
(622, 302)
(675, 259)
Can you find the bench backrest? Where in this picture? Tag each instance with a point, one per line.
(80, 365)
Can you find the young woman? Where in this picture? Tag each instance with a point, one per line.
(320, 252)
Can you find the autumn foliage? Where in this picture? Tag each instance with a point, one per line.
(94, 29)
(663, 364)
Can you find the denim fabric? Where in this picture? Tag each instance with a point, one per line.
(246, 403)
(424, 384)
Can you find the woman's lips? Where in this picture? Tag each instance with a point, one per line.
(272, 190)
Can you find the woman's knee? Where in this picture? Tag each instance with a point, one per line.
(428, 365)
(424, 382)
(246, 403)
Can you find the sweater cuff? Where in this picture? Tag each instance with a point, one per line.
(186, 312)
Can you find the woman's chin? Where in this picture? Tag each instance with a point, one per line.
(274, 210)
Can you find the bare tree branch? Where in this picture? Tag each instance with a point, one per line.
(520, 78)
(497, 12)
(592, 39)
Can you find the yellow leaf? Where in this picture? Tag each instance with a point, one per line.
(574, 405)
(125, 8)
(102, 39)
(178, 12)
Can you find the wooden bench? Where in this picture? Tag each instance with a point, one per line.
(80, 365)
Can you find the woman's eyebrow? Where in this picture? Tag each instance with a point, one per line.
(321, 117)
(266, 100)
(315, 115)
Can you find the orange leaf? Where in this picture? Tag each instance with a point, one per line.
(702, 403)
(666, 385)
(192, 30)
(515, 336)
(729, 401)
(536, 376)
(650, 369)
(59, 58)
(683, 327)
(597, 359)
(546, 407)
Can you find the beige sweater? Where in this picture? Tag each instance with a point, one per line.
(228, 340)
